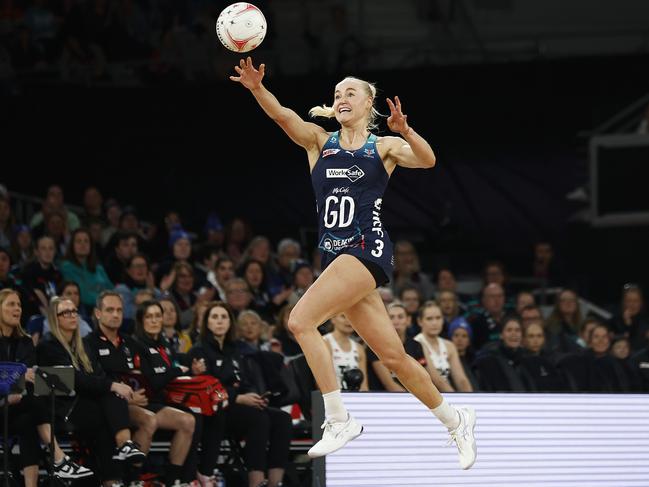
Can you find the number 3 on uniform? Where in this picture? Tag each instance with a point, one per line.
(378, 252)
(344, 213)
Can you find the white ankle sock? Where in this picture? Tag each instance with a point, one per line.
(447, 414)
(334, 407)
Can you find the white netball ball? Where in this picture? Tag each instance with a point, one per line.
(241, 27)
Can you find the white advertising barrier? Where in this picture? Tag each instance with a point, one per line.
(530, 440)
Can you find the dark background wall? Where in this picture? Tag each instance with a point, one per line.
(505, 136)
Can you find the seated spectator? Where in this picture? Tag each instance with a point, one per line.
(193, 331)
(500, 369)
(93, 204)
(237, 235)
(267, 430)
(640, 364)
(585, 328)
(546, 266)
(461, 334)
(450, 306)
(487, 321)
(632, 320)
(7, 222)
(99, 412)
(121, 249)
(22, 246)
(347, 354)
(563, 322)
(411, 299)
(303, 277)
(214, 231)
(524, 299)
(28, 416)
(223, 272)
(530, 313)
(206, 259)
(42, 276)
(80, 265)
(158, 365)
(251, 331)
(252, 271)
(238, 295)
(387, 296)
(175, 338)
(538, 363)
(181, 251)
(38, 326)
(610, 375)
(54, 203)
(113, 216)
(446, 281)
(380, 378)
(137, 277)
(407, 270)
(288, 251)
(289, 345)
(259, 249)
(29, 301)
(494, 272)
(182, 290)
(441, 354)
(56, 228)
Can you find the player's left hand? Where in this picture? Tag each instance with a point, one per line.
(397, 121)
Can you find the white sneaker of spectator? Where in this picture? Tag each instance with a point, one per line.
(69, 470)
(336, 434)
(464, 437)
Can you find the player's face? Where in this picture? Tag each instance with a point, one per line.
(351, 102)
(432, 321)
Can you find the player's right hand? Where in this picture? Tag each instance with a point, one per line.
(249, 76)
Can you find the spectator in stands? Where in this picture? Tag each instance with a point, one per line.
(461, 334)
(113, 216)
(194, 327)
(28, 416)
(238, 295)
(251, 331)
(99, 412)
(441, 354)
(407, 270)
(7, 222)
(22, 248)
(380, 378)
(158, 365)
(450, 306)
(54, 203)
(288, 251)
(523, 300)
(446, 280)
(42, 276)
(545, 265)
(253, 272)
(259, 249)
(411, 299)
(610, 375)
(585, 329)
(487, 323)
(8, 281)
(81, 266)
(500, 369)
(494, 272)
(93, 203)
(539, 364)
(289, 346)
(224, 271)
(206, 259)
(55, 227)
(530, 313)
(124, 247)
(237, 236)
(267, 430)
(632, 320)
(214, 231)
(182, 291)
(138, 276)
(303, 277)
(563, 322)
(181, 251)
(347, 353)
(176, 339)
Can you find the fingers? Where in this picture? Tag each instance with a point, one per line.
(390, 105)
(398, 103)
(262, 69)
(235, 78)
(242, 63)
(238, 70)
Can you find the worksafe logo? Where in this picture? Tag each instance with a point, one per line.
(353, 173)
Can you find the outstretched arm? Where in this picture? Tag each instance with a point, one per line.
(414, 151)
(304, 134)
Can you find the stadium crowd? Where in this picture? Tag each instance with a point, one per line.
(141, 313)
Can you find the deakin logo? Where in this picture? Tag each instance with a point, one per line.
(353, 173)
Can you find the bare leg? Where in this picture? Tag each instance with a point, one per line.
(122, 436)
(255, 477)
(146, 424)
(275, 476)
(343, 283)
(44, 432)
(372, 322)
(30, 474)
(183, 424)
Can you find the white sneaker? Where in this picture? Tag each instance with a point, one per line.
(336, 435)
(464, 438)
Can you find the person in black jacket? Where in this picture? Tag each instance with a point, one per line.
(155, 361)
(28, 415)
(99, 410)
(248, 414)
(539, 363)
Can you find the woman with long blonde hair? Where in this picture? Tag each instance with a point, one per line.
(99, 410)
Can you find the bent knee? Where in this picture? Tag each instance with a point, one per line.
(188, 423)
(394, 360)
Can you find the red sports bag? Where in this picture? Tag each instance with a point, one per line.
(202, 394)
